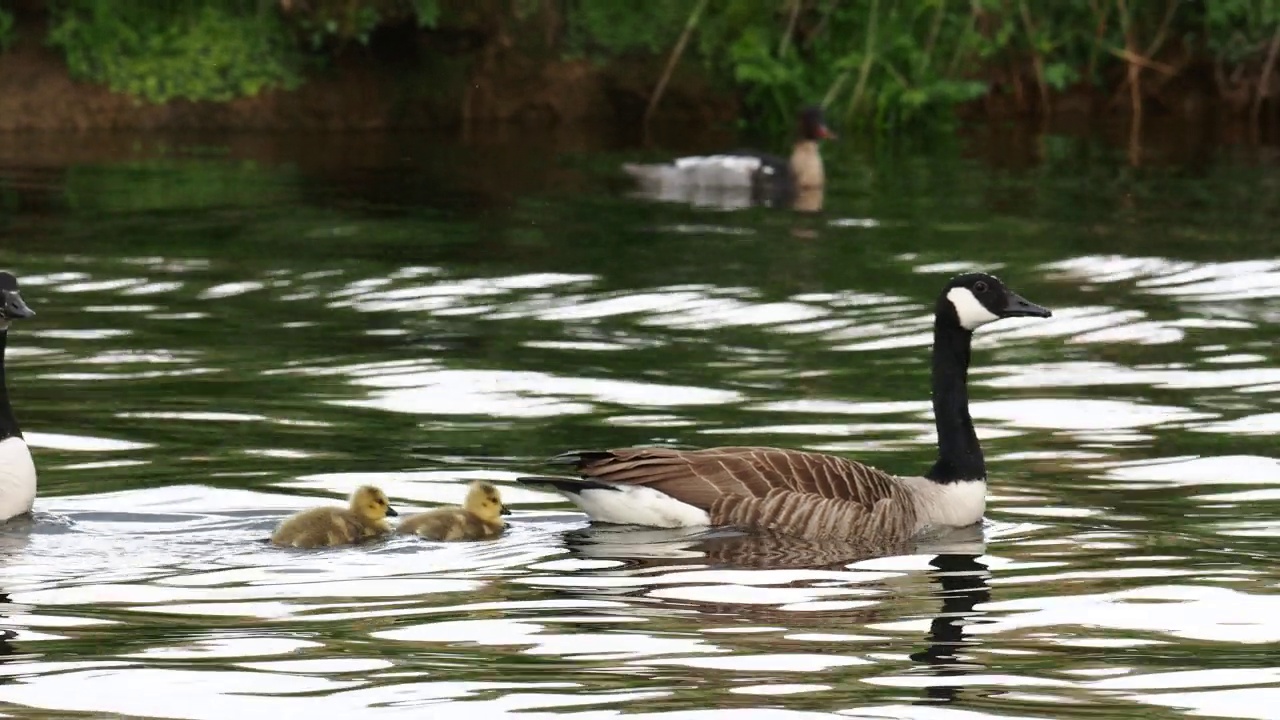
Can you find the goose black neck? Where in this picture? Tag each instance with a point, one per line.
(8, 423)
(959, 455)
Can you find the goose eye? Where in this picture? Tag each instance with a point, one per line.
(980, 286)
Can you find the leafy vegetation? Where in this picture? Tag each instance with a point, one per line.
(168, 51)
(6, 29)
(330, 24)
(896, 62)
(887, 63)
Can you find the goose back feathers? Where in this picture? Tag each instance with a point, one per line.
(807, 494)
(788, 491)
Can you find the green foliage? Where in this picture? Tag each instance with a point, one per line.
(885, 64)
(1235, 29)
(606, 29)
(195, 51)
(427, 12)
(6, 29)
(328, 24)
(891, 63)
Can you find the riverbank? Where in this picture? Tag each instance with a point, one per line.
(483, 65)
(362, 89)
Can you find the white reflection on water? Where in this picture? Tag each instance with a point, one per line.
(517, 394)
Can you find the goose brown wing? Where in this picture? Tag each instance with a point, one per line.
(889, 519)
(701, 477)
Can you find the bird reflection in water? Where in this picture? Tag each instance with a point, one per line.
(6, 634)
(962, 583)
(958, 581)
(731, 548)
(712, 197)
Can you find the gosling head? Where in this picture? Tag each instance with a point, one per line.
(11, 305)
(975, 299)
(484, 501)
(371, 503)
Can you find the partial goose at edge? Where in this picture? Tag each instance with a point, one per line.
(17, 470)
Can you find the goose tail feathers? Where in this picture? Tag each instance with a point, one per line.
(579, 458)
(568, 486)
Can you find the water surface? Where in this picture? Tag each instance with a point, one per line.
(230, 329)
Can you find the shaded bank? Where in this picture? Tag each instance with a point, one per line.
(403, 80)
(401, 64)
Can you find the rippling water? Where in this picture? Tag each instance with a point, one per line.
(227, 335)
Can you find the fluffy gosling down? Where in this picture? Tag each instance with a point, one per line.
(479, 518)
(365, 518)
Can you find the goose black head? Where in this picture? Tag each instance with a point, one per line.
(975, 299)
(812, 125)
(11, 305)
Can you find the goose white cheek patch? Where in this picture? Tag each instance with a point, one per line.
(971, 313)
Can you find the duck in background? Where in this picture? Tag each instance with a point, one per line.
(744, 178)
(17, 471)
(479, 517)
(365, 517)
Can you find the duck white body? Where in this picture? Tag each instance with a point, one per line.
(704, 171)
(738, 180)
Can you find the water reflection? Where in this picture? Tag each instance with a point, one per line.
(962, 585)
(677, 188)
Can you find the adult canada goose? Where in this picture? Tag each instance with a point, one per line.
(808, 494)
(759, 177)
(17, 471)
(479, 518)
(363, 518)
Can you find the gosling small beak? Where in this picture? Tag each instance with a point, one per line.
(505, 510)
(12, 307)
(1018, 306)
(391, 512)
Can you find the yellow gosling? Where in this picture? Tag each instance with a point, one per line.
(479, 518)
(364, 518)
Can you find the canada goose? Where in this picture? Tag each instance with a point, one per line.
(17, 471)
(364, 518)
(808, 494)
(479, 518)
(769, 179)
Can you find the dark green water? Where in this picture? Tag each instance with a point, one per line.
(233, 328)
